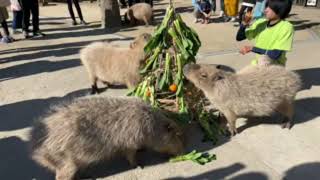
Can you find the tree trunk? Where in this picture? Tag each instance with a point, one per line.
(110, 14)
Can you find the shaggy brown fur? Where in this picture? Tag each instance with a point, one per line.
(73, 135)
(112, 64)
(140, 12)
(252, 92)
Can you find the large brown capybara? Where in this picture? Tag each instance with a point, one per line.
(72, 136)
(254, 91)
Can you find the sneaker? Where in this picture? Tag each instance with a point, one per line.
(11, 39)
(83, 22)
(26, 34)
(226, 19)
(233, 19)
(38, 34)
(221, 14)
(74, 23)
(6, 39)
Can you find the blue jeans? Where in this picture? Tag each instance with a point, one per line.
(17, 20)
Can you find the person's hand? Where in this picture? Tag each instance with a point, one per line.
(247, 18)
(246, 49)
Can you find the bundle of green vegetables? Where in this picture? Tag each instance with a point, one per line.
(173, 45)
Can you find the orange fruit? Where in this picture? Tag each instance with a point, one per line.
(173, 88)
(148, 93)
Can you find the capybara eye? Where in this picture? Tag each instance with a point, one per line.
(169, 127)
(204, 75)
(219, 77)
(218, 67)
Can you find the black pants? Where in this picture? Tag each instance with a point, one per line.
(123, 2)
(76, 4)
(5, 28)
(241, 12)
(33, 7)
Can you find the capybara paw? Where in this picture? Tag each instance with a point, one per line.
(94, 90)
(139, 166)
(287, 125)
(233, 131)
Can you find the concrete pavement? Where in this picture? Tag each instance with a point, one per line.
(39, 72)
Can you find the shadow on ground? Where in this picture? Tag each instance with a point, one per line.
(222, 173)
(36, 67)
(73, 28)
(22, 114)
(303, 24)
(57, 50)
(304, 171)
(16, 164)
(310, 77)
(184, 9)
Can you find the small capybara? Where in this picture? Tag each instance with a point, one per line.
(73, 135)
(254, 91)
(114, 65)
(140, 12)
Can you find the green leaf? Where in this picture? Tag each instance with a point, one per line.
(194, 156)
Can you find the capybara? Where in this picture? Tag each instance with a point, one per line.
(140, 12)
(114, 65)
(254, 91)
(73, 135)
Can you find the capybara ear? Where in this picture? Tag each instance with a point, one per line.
(146, 36)
(192, 67)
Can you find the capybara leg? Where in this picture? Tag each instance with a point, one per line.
(132, 21)
(287, 110)
(131, 157)
(132, 82)
(223, 122)
(146, 22)
(48, 162)
(67, 171)
(231, 118)
(94, 87)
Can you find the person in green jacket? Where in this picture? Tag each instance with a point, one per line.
(272, 35)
